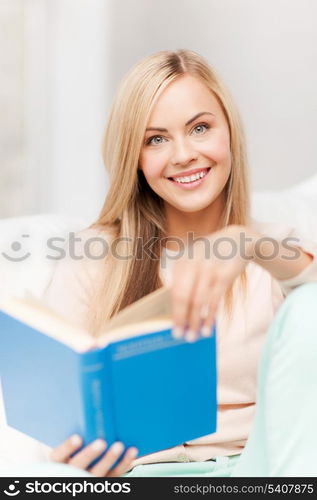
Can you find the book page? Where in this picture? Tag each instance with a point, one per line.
(40, 317)
(130, 330)
(154, 305)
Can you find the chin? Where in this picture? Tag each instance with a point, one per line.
(194, 207)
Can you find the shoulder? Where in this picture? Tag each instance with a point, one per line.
(89, 244)
(84, 254)
(95, 234)
(78, 270)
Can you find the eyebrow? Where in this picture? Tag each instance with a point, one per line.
(187, 123)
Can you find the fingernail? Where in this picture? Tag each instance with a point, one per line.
(206, 331)
(117, 447)
(191, 335)
(98, 445)
(177, 332)
(133, 452)
(76, 440)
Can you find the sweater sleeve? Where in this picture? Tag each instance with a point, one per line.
(291, 237)
(307, 275)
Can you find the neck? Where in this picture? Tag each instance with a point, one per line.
(201, 223)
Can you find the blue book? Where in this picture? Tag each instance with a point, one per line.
(135, 383)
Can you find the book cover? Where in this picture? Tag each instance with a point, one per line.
(135, 383)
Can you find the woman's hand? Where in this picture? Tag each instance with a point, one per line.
(63, 454)
(201, 279)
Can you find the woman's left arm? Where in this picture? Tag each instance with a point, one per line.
(202, 276)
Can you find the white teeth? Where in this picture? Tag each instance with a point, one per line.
(190, 178)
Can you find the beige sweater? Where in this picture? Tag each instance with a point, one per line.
(239, 342)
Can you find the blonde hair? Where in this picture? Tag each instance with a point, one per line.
(132, 211)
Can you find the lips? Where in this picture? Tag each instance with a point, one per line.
(189, 173)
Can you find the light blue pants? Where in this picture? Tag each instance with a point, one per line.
(283, 438)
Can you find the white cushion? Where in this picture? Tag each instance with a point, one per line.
(26, 250)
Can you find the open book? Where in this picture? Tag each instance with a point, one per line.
(135, 383)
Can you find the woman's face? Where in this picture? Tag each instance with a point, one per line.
(187, 135)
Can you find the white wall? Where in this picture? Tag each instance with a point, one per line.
(11, 108)
(53, 100)
(76, 51)
(65, 89)
(78, 88)
(265, 51)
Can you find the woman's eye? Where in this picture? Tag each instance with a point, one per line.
(155, 140)
(200, 129)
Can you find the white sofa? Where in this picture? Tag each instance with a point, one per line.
(296, 206)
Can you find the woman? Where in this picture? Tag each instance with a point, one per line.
(175, 153)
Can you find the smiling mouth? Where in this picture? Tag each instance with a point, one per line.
(191, 178)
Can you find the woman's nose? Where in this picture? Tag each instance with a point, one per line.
(183, 152)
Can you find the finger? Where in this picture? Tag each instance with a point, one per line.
(83, 458)
(181, 289)
(125, 463)
(215, 296)
(198, 301)
(104, 465)
(62, 452)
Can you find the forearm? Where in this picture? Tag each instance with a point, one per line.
(282, 259)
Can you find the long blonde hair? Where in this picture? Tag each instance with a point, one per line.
(132, 211)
